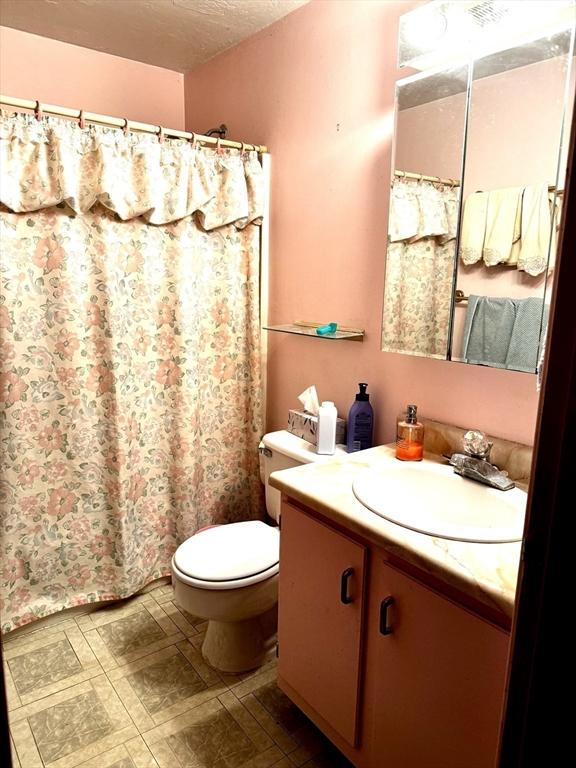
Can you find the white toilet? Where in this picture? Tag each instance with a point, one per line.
(228, 574)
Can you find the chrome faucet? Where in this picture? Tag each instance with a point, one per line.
(475, 464)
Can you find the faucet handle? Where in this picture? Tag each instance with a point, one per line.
(476, 444)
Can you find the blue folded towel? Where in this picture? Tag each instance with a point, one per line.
(504, 332)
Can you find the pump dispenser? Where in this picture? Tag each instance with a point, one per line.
(409, 436)
(360, 422)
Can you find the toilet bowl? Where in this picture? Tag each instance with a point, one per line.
(228, 574)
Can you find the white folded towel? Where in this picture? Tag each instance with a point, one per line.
(536, 230)
(473, 227)
(503, 228)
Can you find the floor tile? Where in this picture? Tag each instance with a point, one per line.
(43, 628)
(166, 682)
(131, 633)
(245, 720)
(72, 726)
(194, 656)
(209, 736)
(132, 636)
(284, 712)
(162, 685)
(162, 618)
(160, 592)
(272, 728)
(43, 666)
(158, 704)
(123, 756)
(69, 726)
(288, 726)
(249, 681)
(194, 620)
(46, 664)
(14, 755)
(217, 740)
(12, 699)
(124, 762)
(184, 621)
(139, 753)
(113, 611)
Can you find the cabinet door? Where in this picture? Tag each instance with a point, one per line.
(435, 678)
(319, 617)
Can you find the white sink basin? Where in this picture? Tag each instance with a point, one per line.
(431, 499)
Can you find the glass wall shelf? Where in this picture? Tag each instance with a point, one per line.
(301, 328)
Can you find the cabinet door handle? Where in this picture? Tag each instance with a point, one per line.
(385, 628)
(344, 580)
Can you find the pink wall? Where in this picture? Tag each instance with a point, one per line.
(34, 67)
(430, 138)
(318, 88)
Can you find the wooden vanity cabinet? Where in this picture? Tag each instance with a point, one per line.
(400, 676)
(434, 681)
(320, 596)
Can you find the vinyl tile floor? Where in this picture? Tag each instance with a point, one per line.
(125, 686)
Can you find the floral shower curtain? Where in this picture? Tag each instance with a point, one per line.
(130, 337)
(419, 268)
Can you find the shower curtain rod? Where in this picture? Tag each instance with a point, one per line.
(122, 122)
(423, 177)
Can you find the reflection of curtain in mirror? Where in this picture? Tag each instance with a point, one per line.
(419, 268)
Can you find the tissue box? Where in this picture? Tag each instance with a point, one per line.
(305, 425)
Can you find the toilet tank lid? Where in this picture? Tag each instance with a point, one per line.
(285, 442)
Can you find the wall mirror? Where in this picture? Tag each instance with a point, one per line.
(478, 172)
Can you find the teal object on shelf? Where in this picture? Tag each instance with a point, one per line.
(323, 330)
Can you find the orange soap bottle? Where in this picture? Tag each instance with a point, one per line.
(409, 436)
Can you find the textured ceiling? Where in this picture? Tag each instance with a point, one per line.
(176, 34)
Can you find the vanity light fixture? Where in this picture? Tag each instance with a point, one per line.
(444, 32)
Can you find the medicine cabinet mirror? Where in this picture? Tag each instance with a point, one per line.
(476, 196)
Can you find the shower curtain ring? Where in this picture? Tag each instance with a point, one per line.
(81, 120)
(218, 146)
(126, 127)
(242, 149)
(160, 134)
(38, 113)
(193, 140)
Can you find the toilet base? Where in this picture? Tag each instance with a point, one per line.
(240, 646)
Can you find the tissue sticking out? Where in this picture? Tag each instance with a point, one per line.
(309, 400)
(304, 423)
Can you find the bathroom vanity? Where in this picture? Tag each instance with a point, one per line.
(393, 642)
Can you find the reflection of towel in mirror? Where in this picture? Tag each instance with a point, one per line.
(473, 227)
(503, 226)
(525, 340)
(503, 332)
(487, 330)
(536, 230)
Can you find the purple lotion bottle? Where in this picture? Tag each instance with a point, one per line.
(360, 422)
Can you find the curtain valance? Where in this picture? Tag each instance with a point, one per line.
(420, 209)
(50, 161)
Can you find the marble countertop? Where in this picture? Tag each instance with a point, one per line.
(485, 572)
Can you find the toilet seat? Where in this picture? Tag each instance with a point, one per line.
(229, 556)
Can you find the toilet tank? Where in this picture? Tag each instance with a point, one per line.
(283, 450)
